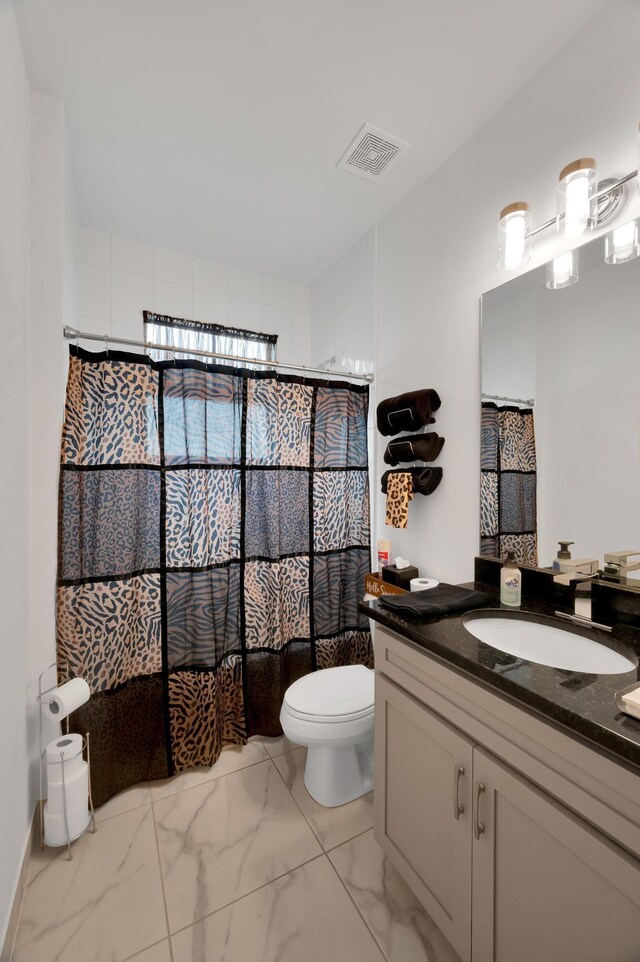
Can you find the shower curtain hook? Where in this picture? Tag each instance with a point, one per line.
(77, 339)
(106, 344)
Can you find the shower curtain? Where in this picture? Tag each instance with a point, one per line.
(213, 542)
(508, 514)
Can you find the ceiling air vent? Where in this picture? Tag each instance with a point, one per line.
(371, 152)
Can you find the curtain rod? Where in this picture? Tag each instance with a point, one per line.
(71, 334)
(514, 400)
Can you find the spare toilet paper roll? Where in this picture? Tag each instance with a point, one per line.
(70, 748)
(55, 831)
(421, 584)
(76, 790)
(65, 699)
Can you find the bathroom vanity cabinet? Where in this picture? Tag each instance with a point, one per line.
(520, 841)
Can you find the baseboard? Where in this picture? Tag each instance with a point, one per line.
(14, 916)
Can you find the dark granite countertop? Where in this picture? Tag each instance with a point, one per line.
(582, 705)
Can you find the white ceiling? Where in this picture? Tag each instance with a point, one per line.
(214, 126)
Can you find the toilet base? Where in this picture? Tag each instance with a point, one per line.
(335, 775)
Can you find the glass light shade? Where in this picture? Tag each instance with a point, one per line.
(514, 236)
(622, 243)
(577, 189)
(562, 271)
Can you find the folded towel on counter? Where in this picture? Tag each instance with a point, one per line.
(414, 447)
(399, 494)
(443, 600)
(424, 480)
(407, 412)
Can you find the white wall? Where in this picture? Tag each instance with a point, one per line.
(118, 278)
(343, 309)
(15, 746)
(436, 255)
(53, 228)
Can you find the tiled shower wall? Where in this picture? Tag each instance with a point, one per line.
(118, 278)
(343, 309)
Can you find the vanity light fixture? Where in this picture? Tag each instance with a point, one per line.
(622, 244)
(514, 236)
(583, 203)
(562, 271)
(577, 190)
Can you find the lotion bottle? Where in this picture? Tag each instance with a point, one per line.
(510, 582)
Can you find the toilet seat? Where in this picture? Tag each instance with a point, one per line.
(332, 695)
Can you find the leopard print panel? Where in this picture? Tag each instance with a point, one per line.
(276, 602)
(203, 517)
(349, 648)
(111, 413)
(206, 710)
(109, 632)
(399, 494)
(278, 423)
(340, 509)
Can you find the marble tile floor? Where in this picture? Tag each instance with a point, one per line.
(230, 864)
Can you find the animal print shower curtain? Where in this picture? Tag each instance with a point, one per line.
(508, 512)
(213, 541)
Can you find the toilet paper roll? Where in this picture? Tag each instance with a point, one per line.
(76, 790)
(55, 831)
(421, 584)
(70, 747)
(62, 701)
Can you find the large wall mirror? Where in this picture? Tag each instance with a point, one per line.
(561, 411)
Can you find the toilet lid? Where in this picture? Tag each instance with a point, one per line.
(332, 692)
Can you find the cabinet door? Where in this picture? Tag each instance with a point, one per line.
(422, 805)
(546, 886)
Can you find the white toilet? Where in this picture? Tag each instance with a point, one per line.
(331, 712)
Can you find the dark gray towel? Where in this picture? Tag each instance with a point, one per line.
(443, 600)
(407, 412)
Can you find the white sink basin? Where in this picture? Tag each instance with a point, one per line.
(546, 644)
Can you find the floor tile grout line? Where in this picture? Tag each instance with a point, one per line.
(132, 958)
(355, 905)
(350, 839)
(164, 894)
(300, 809)
(338, 844)
(227, 905)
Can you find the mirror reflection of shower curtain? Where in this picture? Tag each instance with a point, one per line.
(508, 511)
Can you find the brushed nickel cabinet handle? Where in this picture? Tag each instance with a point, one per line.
(478, 827)
(458, 772)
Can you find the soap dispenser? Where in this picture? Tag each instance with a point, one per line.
(563, 555)
(510, 582)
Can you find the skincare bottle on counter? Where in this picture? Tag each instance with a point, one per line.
(510, 582)
(563, 555)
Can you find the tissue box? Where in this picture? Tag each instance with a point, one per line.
(400, 576)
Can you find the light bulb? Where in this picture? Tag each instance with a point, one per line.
(562, 271)
(577, 189)
(622, 244)
(576, 212)
(514, 240)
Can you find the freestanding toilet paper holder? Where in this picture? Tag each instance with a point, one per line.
(42, 693)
